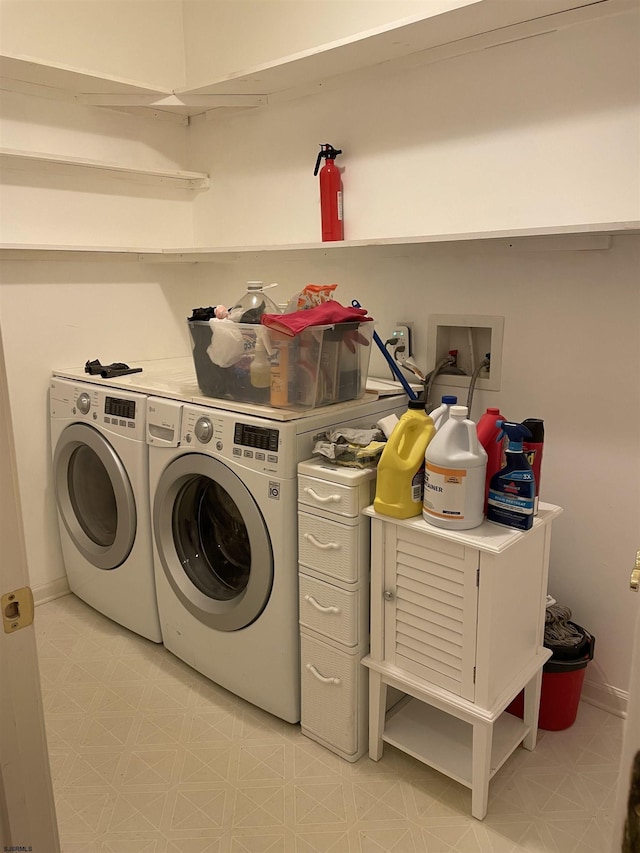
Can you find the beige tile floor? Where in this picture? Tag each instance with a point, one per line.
(148, 756)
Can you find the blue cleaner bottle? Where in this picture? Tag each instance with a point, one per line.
(512, 490)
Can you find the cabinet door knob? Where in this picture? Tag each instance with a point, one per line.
(388, 595)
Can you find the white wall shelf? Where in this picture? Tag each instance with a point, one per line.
(448, 32)
(57, 164)
(31, 76)
(468, 25)
(586, 236)
(50, 252)
(37, 72)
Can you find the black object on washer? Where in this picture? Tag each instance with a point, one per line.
(108, 371)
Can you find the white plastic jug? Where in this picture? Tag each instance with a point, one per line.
(254, 303)
(455, 468)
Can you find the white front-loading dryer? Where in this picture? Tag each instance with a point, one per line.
(101, 484)
(223, 488)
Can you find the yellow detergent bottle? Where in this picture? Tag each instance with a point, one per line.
(400, 478)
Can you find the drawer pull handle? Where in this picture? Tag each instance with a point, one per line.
(329, 546)
(322, 500)
(320, 677)
(320, 607)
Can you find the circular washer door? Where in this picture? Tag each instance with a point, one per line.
(94, 496)
(212, 541)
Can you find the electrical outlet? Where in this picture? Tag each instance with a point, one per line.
(402, 334)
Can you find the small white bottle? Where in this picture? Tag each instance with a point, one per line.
(440, 415)
(455, 468)
(387, 425)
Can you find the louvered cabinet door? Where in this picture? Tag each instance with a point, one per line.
(431, 608)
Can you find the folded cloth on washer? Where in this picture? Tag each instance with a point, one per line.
(361, 437)
(326, 314)
(356, 448)
(351, 455)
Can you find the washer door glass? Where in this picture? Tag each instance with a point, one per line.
(94, 495)
(212, 542)
(211, 539)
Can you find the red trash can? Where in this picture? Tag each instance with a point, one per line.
(562, 681)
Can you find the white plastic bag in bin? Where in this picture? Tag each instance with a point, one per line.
(231, 342)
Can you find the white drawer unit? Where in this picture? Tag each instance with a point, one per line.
(332, 548)
(333, 556)
(341, 615)
(457, 624)
(334, 692)
(346, 498)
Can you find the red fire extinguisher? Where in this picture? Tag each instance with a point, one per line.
(330, 194)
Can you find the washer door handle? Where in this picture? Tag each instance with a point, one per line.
(323, 678)
(326, 546)
(330, 609)
(322, 500)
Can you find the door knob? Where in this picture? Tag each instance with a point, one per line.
(388, 595)
(634, 580)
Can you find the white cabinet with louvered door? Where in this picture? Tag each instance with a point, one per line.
(432, 609)
(457, 624)
(333, 556)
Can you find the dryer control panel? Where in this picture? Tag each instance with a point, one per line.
(122, 413)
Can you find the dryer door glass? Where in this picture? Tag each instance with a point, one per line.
(212, 541)
(92, 496)
(95, 499)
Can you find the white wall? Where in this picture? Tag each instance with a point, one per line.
(61, 315)
(137, 40)
(99, 210)
(529, 133)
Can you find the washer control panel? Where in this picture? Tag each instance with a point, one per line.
(250, 445)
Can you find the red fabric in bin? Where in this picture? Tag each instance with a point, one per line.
(326, 314)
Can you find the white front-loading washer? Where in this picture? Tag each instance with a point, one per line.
(223, 488)
(101, 484)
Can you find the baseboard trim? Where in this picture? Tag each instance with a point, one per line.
(49, 591)
(605, 696)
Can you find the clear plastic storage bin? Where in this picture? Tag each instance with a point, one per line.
(320, 366)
